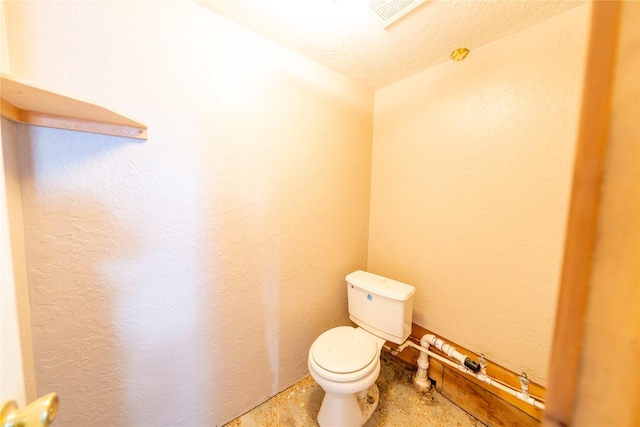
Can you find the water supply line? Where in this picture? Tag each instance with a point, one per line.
(465, 364)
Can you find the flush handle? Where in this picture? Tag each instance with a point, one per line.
(40, 412)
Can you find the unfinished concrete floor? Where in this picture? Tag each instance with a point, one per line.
(400, 405)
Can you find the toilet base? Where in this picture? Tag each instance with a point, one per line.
(348, 410)
(369, 402)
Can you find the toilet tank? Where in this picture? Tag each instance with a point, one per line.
(381, 306)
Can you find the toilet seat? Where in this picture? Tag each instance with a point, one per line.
(344, 354)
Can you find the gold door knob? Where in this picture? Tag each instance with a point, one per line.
(40, 412)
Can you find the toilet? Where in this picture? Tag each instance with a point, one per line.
(345, 360)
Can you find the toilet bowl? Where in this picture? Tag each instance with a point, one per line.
(345, 362)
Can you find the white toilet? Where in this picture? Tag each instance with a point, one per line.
(345, 361)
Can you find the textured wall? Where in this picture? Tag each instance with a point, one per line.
(181, 281)
(471, 174)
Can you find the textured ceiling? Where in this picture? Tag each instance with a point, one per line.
(364, 51)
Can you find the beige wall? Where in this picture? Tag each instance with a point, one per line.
(471, 174)
(182, 280)
(611, 346)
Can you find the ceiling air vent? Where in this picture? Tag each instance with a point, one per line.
(392, 10)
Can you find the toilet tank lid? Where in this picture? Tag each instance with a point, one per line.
(381, 285)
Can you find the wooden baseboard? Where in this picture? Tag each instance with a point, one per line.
(488, 404)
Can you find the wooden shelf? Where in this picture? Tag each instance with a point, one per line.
(25, 103)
